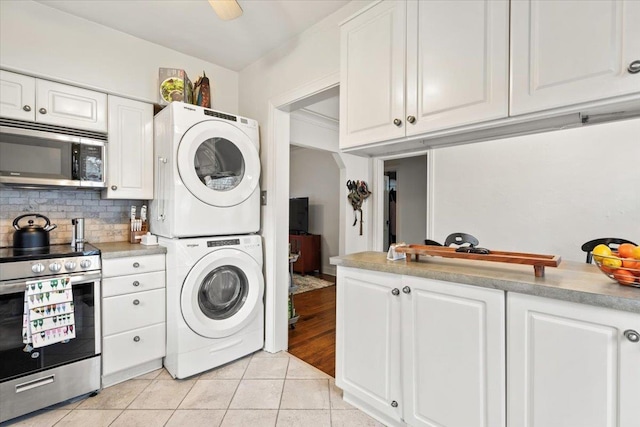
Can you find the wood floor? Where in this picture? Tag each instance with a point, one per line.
(314, 337)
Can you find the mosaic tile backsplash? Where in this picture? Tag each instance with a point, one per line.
(105, 220)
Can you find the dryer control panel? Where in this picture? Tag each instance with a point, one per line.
(218, 243)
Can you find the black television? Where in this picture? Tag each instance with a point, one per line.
(299, 215)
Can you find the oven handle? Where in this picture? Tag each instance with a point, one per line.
(16, 286)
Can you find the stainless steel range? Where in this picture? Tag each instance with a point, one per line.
(34, 378)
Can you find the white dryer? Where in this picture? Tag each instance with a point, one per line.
(215, 308)
(207, 173)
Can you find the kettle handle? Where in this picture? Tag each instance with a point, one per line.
(15, 221)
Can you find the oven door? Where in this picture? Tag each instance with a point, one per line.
(15, 362)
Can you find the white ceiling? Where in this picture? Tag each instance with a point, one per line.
(193, 28)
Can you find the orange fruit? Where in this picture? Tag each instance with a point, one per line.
(631, 263)
(626, 250)
(624, 277)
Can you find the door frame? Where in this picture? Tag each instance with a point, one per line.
(276, 218)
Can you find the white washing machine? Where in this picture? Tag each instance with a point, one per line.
(215, 307)
(207, 173)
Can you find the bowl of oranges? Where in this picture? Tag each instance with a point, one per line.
(622, 265)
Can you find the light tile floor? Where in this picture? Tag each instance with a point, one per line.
(259, 390)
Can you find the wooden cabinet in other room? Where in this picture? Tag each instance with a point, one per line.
(410, 67)
(568, 52)
(310, 248)
(43, 101)
(133, 317)
(130, 150)
(416, 351)
(571, 364)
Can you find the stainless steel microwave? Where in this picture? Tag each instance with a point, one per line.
(35, 155)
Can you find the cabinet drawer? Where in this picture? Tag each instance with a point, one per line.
(132, 265)
(133, 283)
(126, 312)
(132, 348)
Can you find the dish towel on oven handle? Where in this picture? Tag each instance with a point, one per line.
(48, 312)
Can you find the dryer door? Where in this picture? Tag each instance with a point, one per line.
(218, 163)
(222, 293)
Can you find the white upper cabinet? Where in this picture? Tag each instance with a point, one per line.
(412, 67)
(27, 98)
(457, 63)
(372, 68)
(130, 155)
(571, 364)
(570, 52)
(64, 105)
(17, 96)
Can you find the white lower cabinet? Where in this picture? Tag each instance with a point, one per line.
(571, 364)
(420, 352)
(133, 317)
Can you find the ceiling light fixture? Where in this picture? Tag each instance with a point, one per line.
(226, 9)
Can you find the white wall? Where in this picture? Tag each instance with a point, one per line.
(315, 174)
(411, 202)
(546, 193)
(45, 42)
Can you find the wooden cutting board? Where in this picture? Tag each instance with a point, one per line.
(538, 261)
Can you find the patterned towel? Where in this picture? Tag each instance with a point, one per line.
(48, 312)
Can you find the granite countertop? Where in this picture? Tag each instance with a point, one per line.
(114, 250)
(570, 281)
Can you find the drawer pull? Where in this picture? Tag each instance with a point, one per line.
(136, 264)
(136, 339)
(136, 283)
(136, 302)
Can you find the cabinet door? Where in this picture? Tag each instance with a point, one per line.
(368, 338)
(130, 155)
(571, 365)
(17, 96)
(453, 354)
(64, 105)
(568, 52)
(372, 66)
(457, 63)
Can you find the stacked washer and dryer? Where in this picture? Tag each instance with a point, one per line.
(206, 209)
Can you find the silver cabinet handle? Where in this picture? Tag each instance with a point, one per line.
(114, 187)
(395, 291)
(26, 108)
(136, 339)
(136, 264)
(632, 335)
(406, 290)
(136, 302)
(411, 119)
(397, 122)
(394, 404)
(634, 67)
(43, 111)
(136, 283)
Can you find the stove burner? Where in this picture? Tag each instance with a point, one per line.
(53, 251)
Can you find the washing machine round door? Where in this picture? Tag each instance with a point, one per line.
(222, 293)
(218, 163)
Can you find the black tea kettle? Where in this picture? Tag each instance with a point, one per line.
(32, 236)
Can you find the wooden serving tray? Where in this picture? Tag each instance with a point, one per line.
(538, 261)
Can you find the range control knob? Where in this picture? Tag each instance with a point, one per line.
(37, 268)
(70, 265)
(85, 263)
(55, 267)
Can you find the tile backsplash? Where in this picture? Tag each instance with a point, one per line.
(105, 220)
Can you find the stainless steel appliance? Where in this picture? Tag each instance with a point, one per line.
(32, 379)
(37, 155)
(77, 234)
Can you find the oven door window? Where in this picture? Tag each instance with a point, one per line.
(34, 157)
(16, 362)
